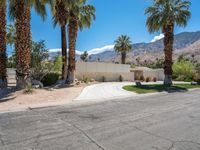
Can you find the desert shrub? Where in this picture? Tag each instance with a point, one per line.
(154, 79)
(103, 79)
(142, 78)
(148, 79)
(57, 64)
(28, 89)
(183, 71)
(121, 78)
(85, 79)
(50, 79)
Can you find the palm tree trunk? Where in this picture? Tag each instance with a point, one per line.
(123, 57)
(72, 33)
(3, 75)
(168, 50)
(64, 52)
(23, 43)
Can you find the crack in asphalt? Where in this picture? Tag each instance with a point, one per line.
(167, 139)
(175, 142)
(152, 134)
(84, 133)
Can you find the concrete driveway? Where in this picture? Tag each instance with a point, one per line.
(103, 91)
(111, 90)
(164, 122)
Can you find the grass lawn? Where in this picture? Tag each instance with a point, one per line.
(159, 88)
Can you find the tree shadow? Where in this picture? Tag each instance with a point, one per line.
(6, 94)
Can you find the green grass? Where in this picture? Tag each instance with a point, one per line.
(159, 88)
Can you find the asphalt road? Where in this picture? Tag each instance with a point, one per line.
(157, 122)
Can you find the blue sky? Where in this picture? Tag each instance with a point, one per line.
(113, 18)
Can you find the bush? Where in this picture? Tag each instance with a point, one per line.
(142, 78)
(197, 78)
(183, 71)
(85, 79)
(154, 79)
(121, 78)
(50, 79)
(103, 79)
(148, 79)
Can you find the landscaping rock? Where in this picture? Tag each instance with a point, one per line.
(194, 83)
(37, 84)
(92, 80)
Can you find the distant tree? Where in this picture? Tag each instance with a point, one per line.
(138, 60)
(123, 45)
(164, 15)
(11, 35)
(84, 56)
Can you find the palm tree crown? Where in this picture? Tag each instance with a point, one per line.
(122, 45)
(82, 13)
(165, 12)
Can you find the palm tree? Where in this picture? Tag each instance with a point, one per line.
(123, 45)
(80, 16)
(60, 15)
(20, 11)
(164, 15)
(3, 75)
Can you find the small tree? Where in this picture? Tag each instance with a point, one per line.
(84, 56)
(39, 64)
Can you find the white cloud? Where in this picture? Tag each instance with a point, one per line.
(90, 52)
(156, 38)
(59, 50)
(101, 50)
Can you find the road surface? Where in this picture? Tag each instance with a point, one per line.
(157, 122)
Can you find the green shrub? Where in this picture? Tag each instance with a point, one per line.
(197, 78)
(50, 79)
(183, 71)
(85, 79)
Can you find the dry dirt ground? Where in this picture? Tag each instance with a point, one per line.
(11, 100)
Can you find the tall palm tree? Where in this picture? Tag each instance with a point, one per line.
(20, 11)
(80, 16)
(60, 15)
(3, 75)
(164, 15)
(123, 45)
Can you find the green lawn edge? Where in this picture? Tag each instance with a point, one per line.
(144, 89)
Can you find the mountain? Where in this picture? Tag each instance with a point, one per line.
(152, 50)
